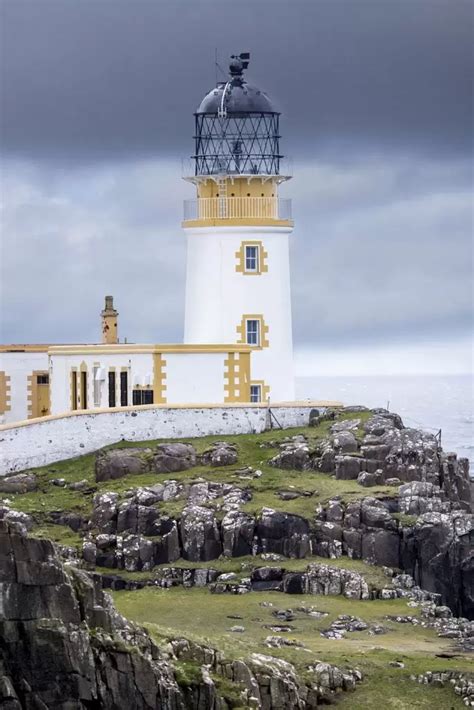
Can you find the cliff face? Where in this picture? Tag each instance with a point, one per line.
(62, 642)
(63, 645)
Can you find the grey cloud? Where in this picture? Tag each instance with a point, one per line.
(373, 259)
(101, 80)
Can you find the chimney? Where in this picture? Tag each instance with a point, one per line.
(109, 322)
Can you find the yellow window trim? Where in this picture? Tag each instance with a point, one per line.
(262, 259)
(265, 389)
(263, 331)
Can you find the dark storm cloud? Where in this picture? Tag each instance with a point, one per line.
(90, 80)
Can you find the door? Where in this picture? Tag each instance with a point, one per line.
(123, 389)
(42, 395)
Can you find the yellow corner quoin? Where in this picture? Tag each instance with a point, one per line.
(5, 393)
(263, 341)
(262, 265)
(237, 377)
(159, 379)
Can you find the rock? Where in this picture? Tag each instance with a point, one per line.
(347, 467)
(345, 425)
(283, 534)
(116, 463)
(237, 533)
(20, 483)
(396, 664)
(392, 482)
(369, 479)
(220, 454)
(438, 552)
(199, 534)
(237, 629)
(20, 522)
(60, 482)
(104, 514)
(420, 497)
(294, 455)
(79, 485)
(169, 458)
(344, 442)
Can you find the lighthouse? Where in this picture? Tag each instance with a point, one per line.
(237, 230)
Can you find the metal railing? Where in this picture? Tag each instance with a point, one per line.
(210, 208)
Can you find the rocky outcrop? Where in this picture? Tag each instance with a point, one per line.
(63, 644)
(116, 463)
(166, 458)
(20, 483)
(438, 551)
(220, 453)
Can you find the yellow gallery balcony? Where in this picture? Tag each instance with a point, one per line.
(237, 211)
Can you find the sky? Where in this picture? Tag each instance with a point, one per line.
(97, 101)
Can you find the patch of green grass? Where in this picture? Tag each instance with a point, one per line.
(61, 534)
(187, 673)
(404, 519)
(177, 612)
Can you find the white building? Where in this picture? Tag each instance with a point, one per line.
(238, 339)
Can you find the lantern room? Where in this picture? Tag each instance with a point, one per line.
(237, 164)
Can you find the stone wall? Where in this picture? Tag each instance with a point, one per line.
(44, 441)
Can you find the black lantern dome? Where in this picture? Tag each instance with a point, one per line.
(237, 128)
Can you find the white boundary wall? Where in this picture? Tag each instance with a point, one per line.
(39, 442)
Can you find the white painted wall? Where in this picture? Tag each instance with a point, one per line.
(194, 377)
(139, 365)
(44, 441)
(18, 365)
(217, 296)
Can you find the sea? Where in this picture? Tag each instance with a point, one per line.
(429, 402)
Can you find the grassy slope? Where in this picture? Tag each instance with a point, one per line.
(197, 614)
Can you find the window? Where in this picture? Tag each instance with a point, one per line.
(83, 389)
(253, 332)
(255, 393)
(96, 384)
(251, 258)
(111, 389)
(74, 389)
(142, 396)
(42, 379)
(124, 389)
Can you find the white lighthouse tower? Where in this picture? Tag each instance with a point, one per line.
(237, 230)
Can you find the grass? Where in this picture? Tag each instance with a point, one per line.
(61, 534)
(174, 612)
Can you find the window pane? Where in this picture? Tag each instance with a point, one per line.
(251, 258)
(255, 393)
(253, 335)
